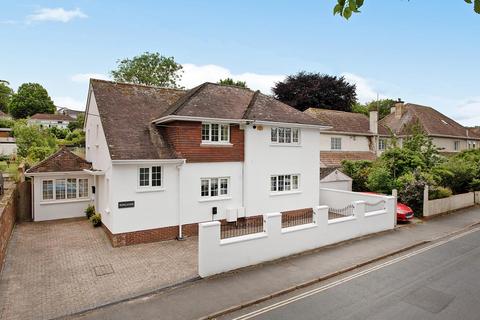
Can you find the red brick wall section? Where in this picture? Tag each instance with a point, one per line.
(171, 233)
(186, 139)
(7, 221)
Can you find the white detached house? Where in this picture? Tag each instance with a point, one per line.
(164, 160)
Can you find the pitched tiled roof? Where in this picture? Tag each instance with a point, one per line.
(324, 172)
(126, 112)
(335, 158)
(211, 100)
(433, 122)
(53, 117)
(475, 132)
(61, 161)
(342, 121)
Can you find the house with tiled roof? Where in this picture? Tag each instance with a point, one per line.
(164, 160)
(447, 134)
(352, 136)
(49, 120)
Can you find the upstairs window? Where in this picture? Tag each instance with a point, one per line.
(281, 135)
(150, 177)
(284, 183)
(215, 133)
(336, 143)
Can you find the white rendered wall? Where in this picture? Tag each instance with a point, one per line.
(349, 143)
(49, 123)
(262, 159)
(448, 144)
(451, 203)
(8, 149)
(337, 185)
(58, 209)
(220, 255)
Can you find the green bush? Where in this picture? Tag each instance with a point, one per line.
(439, 193)
(380, 180)
(90, 211)
(358, 171)
(96, 220)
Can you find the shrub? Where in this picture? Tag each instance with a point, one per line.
(411, 193)
(439, 193)
(96, 220)
(90, 211)
(358, 171)
(380, 180)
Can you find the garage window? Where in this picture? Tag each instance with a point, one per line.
(61, 189)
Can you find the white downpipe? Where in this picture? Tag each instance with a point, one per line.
(179, 202)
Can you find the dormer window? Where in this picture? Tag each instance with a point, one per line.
(215, 133)
(281, 135)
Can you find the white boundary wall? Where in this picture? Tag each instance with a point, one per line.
(452, 203)
(217, 255)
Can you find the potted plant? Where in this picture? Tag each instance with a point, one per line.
(90, 211)
(96, 220)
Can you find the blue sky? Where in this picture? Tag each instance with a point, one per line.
(423, 51)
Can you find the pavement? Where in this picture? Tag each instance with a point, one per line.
(53, 269)
(215, 296)
(439, 281)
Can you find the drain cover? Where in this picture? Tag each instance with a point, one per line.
(103, 270)
(429, 299)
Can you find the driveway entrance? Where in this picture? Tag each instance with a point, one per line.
(58, 268)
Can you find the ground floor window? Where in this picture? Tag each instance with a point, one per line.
(61, 189)
(150, 176)
(214, 187)
(382, 144)
(284, 182)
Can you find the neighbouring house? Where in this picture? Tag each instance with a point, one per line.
(47, 120)
(61, 186)
(8, 144)
(448, 135)
(333, 178)
(352, 136)
(69, 112)
(164, 160)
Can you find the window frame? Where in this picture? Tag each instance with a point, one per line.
(382, 144)
(279, 183)
(333, 145)
(150, 178)
(218, 190)
(285, 136)
(67, 197)
(219, 134)
(456, 145)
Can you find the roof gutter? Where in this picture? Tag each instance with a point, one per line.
(150, 161)
(239, 121)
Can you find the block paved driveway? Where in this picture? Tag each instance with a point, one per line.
(54, 269)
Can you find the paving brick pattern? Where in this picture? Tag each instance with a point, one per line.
(54, 269)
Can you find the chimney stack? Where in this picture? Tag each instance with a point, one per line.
(373, 117)
(399, 108)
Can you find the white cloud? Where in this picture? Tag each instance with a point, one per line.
(69, 102)
(85, 77)
(56, 14)
(366, 90)
(194, 75)
(468, 112)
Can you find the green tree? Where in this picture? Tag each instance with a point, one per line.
(33, 142)
(345, 8)
(383, 107)
(75, 138)
(359, 171)
(149, 69)
(31, 98)
(231, 82)
(360, 108)
(6, 94)
(314, 90)
(78, 123)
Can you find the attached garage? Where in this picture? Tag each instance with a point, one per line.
(333, 178)
(61, 186)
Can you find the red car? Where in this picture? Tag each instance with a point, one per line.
(404, 212)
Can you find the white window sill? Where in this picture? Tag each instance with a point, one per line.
(284, 193)
(64, 201)
(285, 145)
(149, 189)
(208, 199)
(216, 144)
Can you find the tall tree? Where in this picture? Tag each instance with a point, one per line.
(314, 90)
(5, 95)
(231, 82)
(383, 106)
(346, 8)
(150, 69)
(30, 98)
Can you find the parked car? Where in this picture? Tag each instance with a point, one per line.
(404, 212)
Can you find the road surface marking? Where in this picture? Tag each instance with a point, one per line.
(351, 277)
